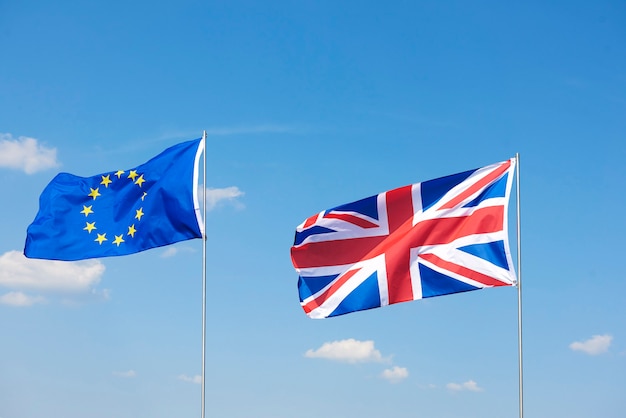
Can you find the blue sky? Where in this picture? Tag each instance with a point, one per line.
(309, 105)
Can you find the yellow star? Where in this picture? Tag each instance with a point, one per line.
(90, 226)
(132, 230)
(94, 193)
(118, 240)
(144, 196)
(106, 180)
(133, 174)
(139, 214)
(119, 173)
(86, 210)
(140, 181)
(101, 238)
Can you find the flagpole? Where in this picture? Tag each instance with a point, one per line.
(204, 238)
(519, 293)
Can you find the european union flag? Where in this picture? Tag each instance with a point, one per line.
(120, 212)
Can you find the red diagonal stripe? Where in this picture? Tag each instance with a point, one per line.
(478, 185)
(317, 302)
(363, 223)
(463, 271)
(310, 221)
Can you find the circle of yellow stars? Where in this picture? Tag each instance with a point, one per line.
(137, 179)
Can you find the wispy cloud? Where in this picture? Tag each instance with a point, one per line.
(24, 275)
(127, 374)
(251, 129)
(197, 379)
(216, 196)
(20, 299)
(174, 250)
(26, 154)
(348, 351)
(470, 386)
(395, 374)
(169, 252)
(178, 135)
(595, 345)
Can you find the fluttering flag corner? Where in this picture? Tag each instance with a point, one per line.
(434, 238)
(119, 212)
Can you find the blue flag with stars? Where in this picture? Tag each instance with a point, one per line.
(120, 212)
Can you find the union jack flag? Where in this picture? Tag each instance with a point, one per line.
(434, 238)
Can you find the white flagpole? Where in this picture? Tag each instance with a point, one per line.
(519, 293)
(204, 238)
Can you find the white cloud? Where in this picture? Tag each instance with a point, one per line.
(470, 385)
(197, 379)
(595, 345)
(169, 252)
(20, 299)
(20, 274)
(26, 154)
(215, 196)
(173, 250)
(127, 374)
(395, 374)
(348, 351)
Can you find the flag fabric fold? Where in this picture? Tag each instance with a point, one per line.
(434, 238)
(119, 212)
